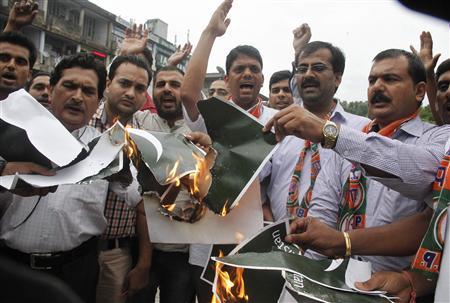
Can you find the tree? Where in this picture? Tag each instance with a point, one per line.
(426, 114)
(355, 107)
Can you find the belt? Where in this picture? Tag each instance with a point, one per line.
(107, 244)
(49, 261)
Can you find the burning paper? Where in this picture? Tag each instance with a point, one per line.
(236, 135)
(177, 163)
(232, 228)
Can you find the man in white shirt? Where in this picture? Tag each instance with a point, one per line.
(57, 233)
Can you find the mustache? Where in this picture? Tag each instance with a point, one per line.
(74, 104)
(380, 97)
(310, 81)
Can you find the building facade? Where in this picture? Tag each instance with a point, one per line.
(71, 26)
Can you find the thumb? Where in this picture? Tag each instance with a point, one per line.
(413, 50)
(227, 22)
(435, 60)
(372, 284)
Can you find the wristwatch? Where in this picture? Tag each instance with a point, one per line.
(330, 133)
(2, 165)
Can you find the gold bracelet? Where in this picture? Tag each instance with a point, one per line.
(348, 245)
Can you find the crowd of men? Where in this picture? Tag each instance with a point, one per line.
(358, 187)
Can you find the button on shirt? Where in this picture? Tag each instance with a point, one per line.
(121, 217)
(412, 156)
(281, 167)
(61, 220)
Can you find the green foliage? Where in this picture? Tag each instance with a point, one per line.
(356, 107)
(426, 114)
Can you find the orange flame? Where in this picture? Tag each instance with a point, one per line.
(172, 176)
(130, 147)
(229, 284)
(200, 176)
(169, 207)
(224, 210)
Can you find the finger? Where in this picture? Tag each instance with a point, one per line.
(127, 32)
(199, 138)
(280, 133)
(38, 169)
(413, 50)
(145, 33)
(299, 225)
(435, 60)
(227, 22)
(376, 282)
(269, 125)
(299, 239)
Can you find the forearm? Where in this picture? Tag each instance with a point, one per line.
(196, 73)
(145, 246)
(10, 27)
(431, 94)
(401, 238)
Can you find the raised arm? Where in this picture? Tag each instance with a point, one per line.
(180, 54)
(429, 61)
(196, 69)
(302, 35)
(22, 14)
(135, 41)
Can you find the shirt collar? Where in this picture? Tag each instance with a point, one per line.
(339, 114)
(414, 127)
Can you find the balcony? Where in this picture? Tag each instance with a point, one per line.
(61, 26)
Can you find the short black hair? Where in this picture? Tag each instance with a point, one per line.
(34, 76)
(246, 50)
(84, 61)
(132, 59)
(442, 68)
(416, 70)
(337, 56)
(279, 76)
(168, 68)
(23, 41)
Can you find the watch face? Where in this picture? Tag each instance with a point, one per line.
(330, 130)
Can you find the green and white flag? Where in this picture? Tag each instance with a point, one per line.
(242, 150)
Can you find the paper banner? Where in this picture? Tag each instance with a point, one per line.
(105, 158)
(236, 136)
(305, 291)
(32, 132)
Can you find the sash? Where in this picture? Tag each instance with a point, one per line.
(352, 207)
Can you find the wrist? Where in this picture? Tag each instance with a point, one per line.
(410, 285)
(339, 247)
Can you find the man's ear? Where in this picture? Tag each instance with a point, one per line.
(225, 78)
(108, 83)
(420, 89)
(338, 80)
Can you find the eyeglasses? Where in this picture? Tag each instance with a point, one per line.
(303, 68)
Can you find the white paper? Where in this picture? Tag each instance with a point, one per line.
(245, 220)
(44, 131)
(101, 156)
(359, 271)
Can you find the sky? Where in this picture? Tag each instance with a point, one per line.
(361, 28)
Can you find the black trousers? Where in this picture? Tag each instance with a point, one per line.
(80, 274)
(203, 290)
(170, 273)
